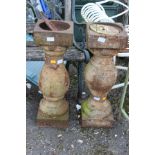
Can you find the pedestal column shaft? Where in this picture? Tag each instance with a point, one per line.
(100, 75)
(54, 83)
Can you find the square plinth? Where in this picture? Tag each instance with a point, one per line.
(106, 36)
(62, 36)
(96, 123)
(44, 120)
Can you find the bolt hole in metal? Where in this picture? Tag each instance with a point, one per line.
(61, 26)
(105, 29)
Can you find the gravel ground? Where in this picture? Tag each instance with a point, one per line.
(76, 140)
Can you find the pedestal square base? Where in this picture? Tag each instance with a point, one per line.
(97, 123)
(44, 120)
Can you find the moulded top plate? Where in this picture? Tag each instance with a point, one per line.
(105, 29)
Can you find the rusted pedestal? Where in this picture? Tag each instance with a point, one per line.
(54, 80)
(104, 41)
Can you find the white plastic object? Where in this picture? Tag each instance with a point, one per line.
(118, 85)
(94, 12)
(123, 55)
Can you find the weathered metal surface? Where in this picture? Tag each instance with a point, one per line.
(63, 36)
(54, 78)
(67, 10)
(100, 73)
(30, 27)
(37, 54)
(103, 37)
(34, 54)
(30, 44)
